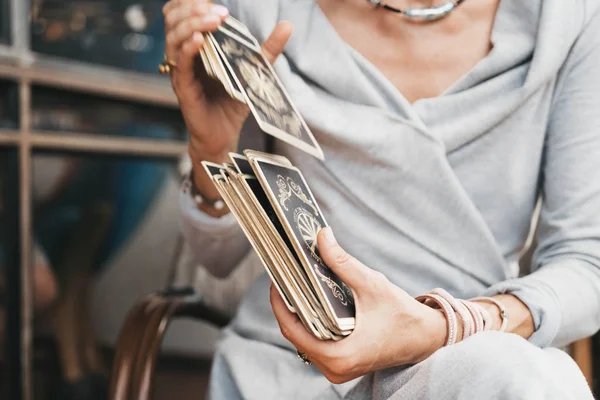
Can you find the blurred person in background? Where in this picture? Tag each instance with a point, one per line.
(88, 208)
(439, 138)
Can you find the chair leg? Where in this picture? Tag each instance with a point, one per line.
(145, 366)
(582, 354)
(128, 346)
(141, 337)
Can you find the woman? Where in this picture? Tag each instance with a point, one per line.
(439, 137)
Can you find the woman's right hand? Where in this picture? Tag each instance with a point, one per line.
(213, 119)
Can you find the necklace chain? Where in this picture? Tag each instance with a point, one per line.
(423, 14)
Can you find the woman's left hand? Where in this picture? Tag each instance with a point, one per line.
(391, 328)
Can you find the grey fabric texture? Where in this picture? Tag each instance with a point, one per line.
(441, 192)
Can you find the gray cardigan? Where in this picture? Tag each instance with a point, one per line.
(442, 192)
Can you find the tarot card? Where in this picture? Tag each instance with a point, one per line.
(251, 154)
(251, 206)
(267, 220)
(302, 219)
(264, 93)
(280, 264)
(241, 164)
(214, 171)
(292, 296)
(237, 24)
(235, 27)
(272, 259)
(206, 63)
(218, 69)
(224, 74)
(267, 208)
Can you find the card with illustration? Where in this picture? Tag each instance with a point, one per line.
(299, 214)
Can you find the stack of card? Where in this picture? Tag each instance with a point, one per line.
(233, 56)
(278, 213)
(267, 195)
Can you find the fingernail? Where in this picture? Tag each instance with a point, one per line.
(328, 236)
(196, 36)
(220, 11)
(209, 19)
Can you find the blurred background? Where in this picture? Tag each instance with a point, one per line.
(92, 150)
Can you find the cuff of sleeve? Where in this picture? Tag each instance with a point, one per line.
(542, 302)
(218, 227)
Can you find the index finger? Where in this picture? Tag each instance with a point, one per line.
(292, 328)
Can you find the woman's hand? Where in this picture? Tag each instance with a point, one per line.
(213, 118)
(391, 329)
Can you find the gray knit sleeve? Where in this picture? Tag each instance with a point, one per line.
(564, 291)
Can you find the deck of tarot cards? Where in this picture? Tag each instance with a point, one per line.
(268, 196)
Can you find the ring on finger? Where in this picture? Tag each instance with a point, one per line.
(303, 357)
(166, 66)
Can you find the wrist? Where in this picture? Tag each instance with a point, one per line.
(432, 331)
(199, 153)
(520, 321)
(204, 147)
(202, 186)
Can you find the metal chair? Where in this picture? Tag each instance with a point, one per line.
(141, 336)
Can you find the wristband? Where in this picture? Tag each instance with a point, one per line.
(445, 307)
(190, 187)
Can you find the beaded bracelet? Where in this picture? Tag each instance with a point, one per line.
(190, 187)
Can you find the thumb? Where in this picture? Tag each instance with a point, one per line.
(273, 46)
(354, 273)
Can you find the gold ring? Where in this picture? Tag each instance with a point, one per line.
(166, 66)
(304, 357)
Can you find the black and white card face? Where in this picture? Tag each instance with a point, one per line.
(302, 219)
(265, 95)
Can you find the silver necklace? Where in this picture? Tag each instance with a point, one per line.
(422, 14)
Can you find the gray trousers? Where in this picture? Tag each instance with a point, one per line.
(489, 365)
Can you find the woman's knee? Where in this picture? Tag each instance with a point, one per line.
(489, 350)
(504, 366)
